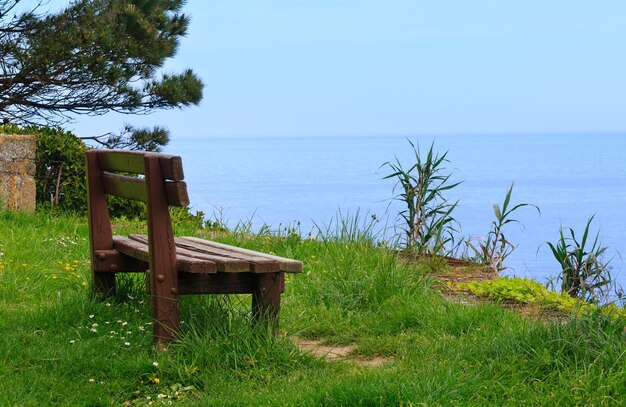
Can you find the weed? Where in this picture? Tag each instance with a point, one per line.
(349, 228)
(427, 221)
(493, 251)
(584, 274)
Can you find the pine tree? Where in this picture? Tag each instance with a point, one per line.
(91, 57)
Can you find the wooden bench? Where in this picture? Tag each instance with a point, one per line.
(175, 265)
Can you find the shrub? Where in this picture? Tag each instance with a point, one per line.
(60, 169)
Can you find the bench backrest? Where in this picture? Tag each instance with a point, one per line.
(161, 186)
(112, 164)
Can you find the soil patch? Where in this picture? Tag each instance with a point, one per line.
(336, 352)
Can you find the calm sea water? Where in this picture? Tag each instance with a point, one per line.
(277, 181)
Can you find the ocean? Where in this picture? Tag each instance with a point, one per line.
(279, 181)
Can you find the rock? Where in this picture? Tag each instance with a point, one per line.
(17, 172)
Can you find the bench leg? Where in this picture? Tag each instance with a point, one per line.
(166, 325)
(266, 299)
(103, 284)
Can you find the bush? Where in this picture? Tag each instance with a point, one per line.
(61, 173)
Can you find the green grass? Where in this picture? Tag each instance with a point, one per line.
(440, 351)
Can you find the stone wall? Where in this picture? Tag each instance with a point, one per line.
(17, 172)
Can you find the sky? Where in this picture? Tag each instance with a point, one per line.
(397, 67)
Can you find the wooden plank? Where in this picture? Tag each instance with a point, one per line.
(133, 161)
(224, 264)
(141, 251)
(220, 283)
(135, 188)
(286, 265)
(253, 263)
(176, 193)
(171, 167)
(122, 161)
(124, 186)
(113, 261)
(258, 264)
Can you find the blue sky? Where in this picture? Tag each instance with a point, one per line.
(397, 67)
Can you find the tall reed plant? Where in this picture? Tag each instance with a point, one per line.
(495, 248)
(427, 223)
(584, 274)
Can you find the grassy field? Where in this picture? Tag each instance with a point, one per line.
(61, 347)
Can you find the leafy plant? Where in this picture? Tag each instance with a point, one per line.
(493, 251)
(427, 221)
(583, 272)
(60, 169)
(527, 291)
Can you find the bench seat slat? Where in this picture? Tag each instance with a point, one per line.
(224, 264)
(259, 264)
(140, 251)
(234, 261)
(285, 264)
